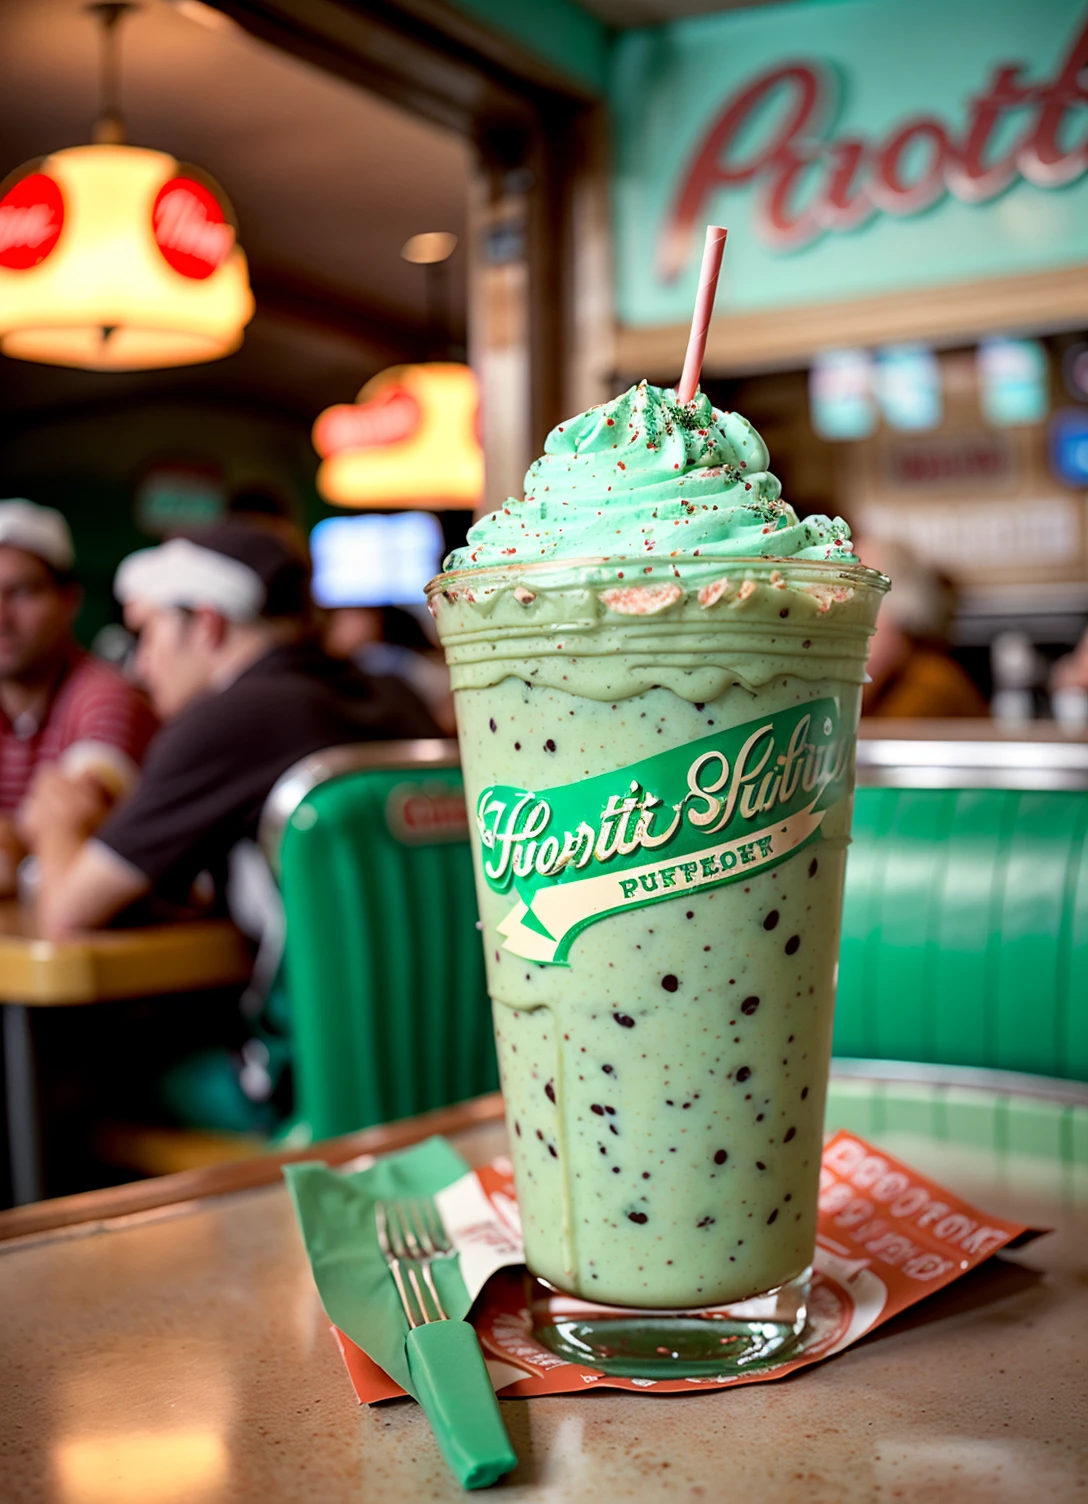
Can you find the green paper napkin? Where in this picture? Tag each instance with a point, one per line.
(335, 1215)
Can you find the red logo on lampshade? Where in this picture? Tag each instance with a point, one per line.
(388, 419)
(191, 229)
(31, 219)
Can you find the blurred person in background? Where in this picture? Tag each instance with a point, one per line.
(1069, 687)
(388, 641)
(229, 656)
(260, 505)
(912, 673)
(65, 716)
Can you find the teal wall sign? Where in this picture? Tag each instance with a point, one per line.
(852, 150)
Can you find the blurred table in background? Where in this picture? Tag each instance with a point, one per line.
(165, 1341)
(103, 965)
(95, 967)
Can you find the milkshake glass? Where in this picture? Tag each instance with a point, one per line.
(657, 717)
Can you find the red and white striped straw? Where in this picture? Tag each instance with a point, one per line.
(704, 308)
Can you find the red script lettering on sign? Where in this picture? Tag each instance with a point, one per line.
(31, 219)
(191, 229)
(809, 184)
(388, 419)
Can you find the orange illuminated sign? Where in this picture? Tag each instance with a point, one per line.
(411, 439)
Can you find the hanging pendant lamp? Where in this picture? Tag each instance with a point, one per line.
(116, 258)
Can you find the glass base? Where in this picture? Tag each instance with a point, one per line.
(716, 1341)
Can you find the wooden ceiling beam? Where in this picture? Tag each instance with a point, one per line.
(399, 57)
(286, 295)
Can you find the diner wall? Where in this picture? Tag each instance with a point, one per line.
(89, 464)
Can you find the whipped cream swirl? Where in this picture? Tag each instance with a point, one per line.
(644, 476)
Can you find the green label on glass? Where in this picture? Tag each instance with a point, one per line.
(711, 812)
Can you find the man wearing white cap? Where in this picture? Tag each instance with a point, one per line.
(60, 708)
(233, 668)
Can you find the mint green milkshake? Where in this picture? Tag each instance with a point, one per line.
(657, 670)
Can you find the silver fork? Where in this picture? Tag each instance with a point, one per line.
(411, 1235)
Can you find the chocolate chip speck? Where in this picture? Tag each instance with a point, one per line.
(812, 867)
(721, 1157)
(597, 1108)
(549, 1091)
(771, 920)
(670, 983)
(749, 1005)
(624, 1020)
(793, 944)
(549, 745)
(790, 1132)
(491, 723)
(773, 1215)
(744, 1072)
(638, 1217)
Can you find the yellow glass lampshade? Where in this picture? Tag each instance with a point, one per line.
(410, 439)
(113, 258)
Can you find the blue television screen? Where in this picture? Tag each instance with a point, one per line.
(375, 559)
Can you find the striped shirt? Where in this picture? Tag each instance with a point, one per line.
(92, 704)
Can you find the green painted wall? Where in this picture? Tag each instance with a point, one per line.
(88, 466)
(571, 39)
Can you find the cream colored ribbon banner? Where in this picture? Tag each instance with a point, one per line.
(570, 906)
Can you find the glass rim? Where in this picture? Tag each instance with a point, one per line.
(854, 569)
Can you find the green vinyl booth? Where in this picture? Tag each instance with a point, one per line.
(964, 940)
(383, 963)
(965, 917)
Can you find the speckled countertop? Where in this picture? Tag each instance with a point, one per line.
(180, 1356)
